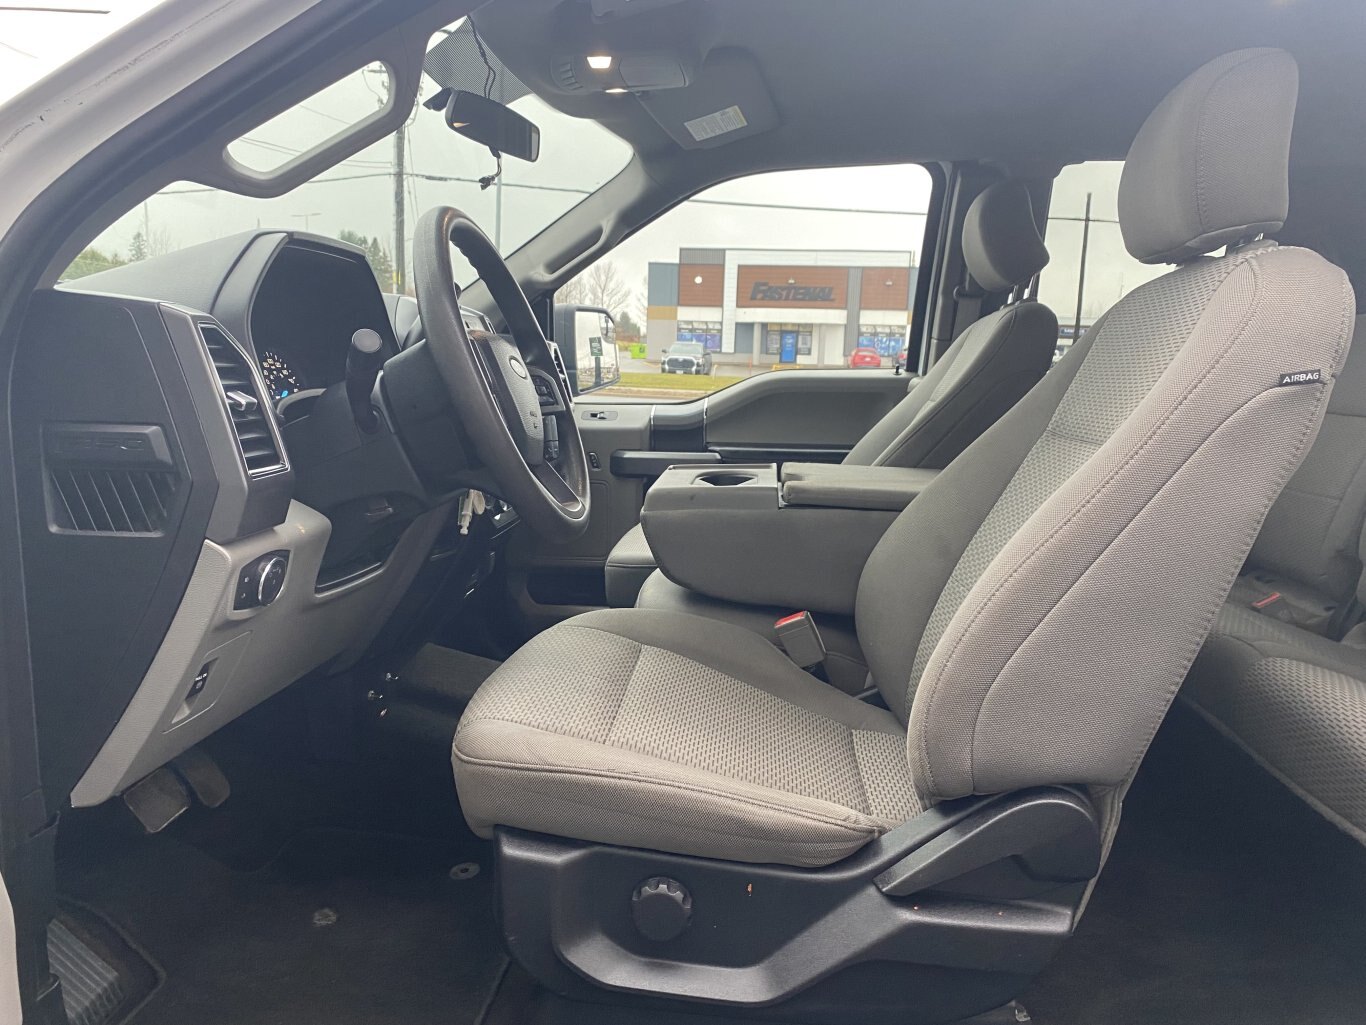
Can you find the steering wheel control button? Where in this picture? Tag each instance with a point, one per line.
(518, 367)
(261, 581)
(661, 909)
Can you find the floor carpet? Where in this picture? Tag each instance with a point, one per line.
(339, 929)
(1226, 901)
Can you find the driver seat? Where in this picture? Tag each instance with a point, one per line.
(683, 813)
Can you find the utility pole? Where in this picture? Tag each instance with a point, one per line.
(1081, 271)
(400, 250)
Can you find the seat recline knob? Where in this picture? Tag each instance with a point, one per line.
(661, 908)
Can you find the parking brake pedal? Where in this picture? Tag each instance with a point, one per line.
(206, 779)
(157, 800)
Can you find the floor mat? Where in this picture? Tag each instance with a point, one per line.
(340, 928)
(1227, 901)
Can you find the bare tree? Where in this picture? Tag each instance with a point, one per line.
(600, 285)
(160, 242)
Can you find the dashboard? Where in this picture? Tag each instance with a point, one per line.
(159, 483)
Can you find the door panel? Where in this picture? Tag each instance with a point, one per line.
(803, 409)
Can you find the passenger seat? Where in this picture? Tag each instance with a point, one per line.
(987, 369)
(1274, 677)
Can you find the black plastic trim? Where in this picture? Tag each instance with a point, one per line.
(820, 945)
(626, 463)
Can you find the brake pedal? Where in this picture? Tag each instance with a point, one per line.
(157, 800)
(197, 768)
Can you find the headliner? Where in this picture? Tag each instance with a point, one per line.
(1026, 83)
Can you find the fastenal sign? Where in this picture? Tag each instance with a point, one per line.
(763, 291)
(799, 287)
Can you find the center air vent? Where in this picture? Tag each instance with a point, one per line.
(250, 419)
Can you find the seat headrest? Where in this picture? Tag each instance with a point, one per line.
(1210, 166)
(1001, 243)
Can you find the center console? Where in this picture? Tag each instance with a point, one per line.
(798, 538)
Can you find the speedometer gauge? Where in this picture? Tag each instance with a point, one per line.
(280, 379)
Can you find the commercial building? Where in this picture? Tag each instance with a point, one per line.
(757, 307)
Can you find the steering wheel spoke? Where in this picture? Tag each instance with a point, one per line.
(556, 486)
(490, 382)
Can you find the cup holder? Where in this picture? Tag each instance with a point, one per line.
(726, 480)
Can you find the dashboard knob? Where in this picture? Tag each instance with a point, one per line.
(271, 579)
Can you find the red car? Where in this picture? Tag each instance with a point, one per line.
(864, 358)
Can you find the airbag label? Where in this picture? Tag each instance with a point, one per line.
(1300, 377)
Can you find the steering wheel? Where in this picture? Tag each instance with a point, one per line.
(490, 381)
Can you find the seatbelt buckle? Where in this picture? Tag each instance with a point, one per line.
(1266, 601)
(798, 636)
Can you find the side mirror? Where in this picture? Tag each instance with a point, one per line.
(587, 337)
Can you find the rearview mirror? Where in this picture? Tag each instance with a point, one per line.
(587, 337)
(496, 126)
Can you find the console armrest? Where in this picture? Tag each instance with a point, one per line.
(726, 532)
(836, 486)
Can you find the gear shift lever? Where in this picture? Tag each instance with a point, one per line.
(363, 362)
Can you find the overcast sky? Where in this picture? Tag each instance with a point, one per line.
(862, 208)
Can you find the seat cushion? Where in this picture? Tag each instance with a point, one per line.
(1295, 701)
(628, 567)
(675, 733)
(844, 662)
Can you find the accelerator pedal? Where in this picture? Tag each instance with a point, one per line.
(197, 768)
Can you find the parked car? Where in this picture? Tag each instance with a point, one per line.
(686, 358)
(864, 358)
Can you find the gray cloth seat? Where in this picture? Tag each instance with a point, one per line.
(1305, 565)
(1029, 617)
(696, 734)
(1272, 676)
(845, 665)
(1295, 702)
(982, 374)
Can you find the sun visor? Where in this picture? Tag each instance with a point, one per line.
(728, 100)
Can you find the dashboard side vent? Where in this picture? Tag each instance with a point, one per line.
(250, 418)
(117, 501)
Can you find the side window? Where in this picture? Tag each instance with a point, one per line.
(783, 271)
(1089, 269)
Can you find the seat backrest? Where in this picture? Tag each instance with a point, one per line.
(1062, 573)
(995, 360)
(1311, 534)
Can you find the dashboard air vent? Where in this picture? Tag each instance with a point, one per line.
(111, 501)
(260, 450)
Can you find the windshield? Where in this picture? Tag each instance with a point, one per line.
(686, 349)
(374, 199)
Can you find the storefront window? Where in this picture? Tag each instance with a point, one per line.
(888, 341)
(703, 332)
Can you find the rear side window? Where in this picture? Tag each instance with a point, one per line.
(1089, 270)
